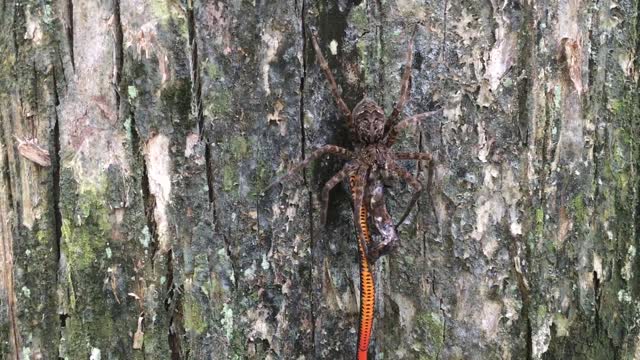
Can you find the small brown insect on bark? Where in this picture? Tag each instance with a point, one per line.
(32, 151)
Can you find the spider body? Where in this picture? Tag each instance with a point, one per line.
(373, 135)
(369, 121)
(372, 162)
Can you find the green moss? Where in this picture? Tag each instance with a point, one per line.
(219, 104)
(579, 209)
(176, 98)
(212, 70)
(43, 236)
(86, 227)
(431, 323)
(239, 147)
(194, 315)
(616, 105)
(229, 178)
(539, 221)
(358, 17)
(170, 12)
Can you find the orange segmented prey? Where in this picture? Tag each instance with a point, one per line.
(367, 286)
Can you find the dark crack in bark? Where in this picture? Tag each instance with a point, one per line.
(148, 199)
(69, 33)
(118, 53)
(173, 305)
(55, 172)
(302, 154)
(196, 88)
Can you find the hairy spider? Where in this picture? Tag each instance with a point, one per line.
(372, 134)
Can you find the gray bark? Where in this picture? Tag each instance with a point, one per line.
(148, 235)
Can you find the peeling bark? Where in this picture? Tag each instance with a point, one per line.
(136, 138)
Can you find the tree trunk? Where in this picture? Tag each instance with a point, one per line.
(144, 231)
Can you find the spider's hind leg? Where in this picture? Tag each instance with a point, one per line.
(412, 181)
(335, 180)
(327, 149)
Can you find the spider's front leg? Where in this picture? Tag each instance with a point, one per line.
(405, 85)
(412, 156)
(412, 181)
(392, 135)
(327, 149)
(332, 83)
(335, 180)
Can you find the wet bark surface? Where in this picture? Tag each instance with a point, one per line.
(146, 232)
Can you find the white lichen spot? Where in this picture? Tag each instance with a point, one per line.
(541, 338)
(626, 271)
(271, 41)
(626, 60)
(250, 272)
(95, 354)
(265, 262)
(145, 239)
(624, 296)
(227, 320)
(158, 162)
(25, 291)
(597, 266)
(333, 46)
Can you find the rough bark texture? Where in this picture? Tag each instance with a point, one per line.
(148, 236)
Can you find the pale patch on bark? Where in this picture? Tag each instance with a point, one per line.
(278, 106)
(190, 144)
(490, 211)
(158, 162)
(34, 29)
(490, 318)
(407, 311)
(541, 338)
(503, 52)
(271, 42)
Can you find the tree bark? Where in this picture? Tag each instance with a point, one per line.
(147, 233)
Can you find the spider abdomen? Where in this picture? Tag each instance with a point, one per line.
(369, 120)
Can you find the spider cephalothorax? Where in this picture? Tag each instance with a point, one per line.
(373, 134)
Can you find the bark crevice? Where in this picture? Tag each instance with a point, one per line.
(302, 154)
(69, 34)
(118, 53)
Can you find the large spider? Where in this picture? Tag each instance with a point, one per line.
(372, 135)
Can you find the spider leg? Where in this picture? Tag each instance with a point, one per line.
(392, 135)
(412, 181)
(358, 183)
(335, 180)
(405, 85)
(332, 82)
(412, 156)
(327, 149)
